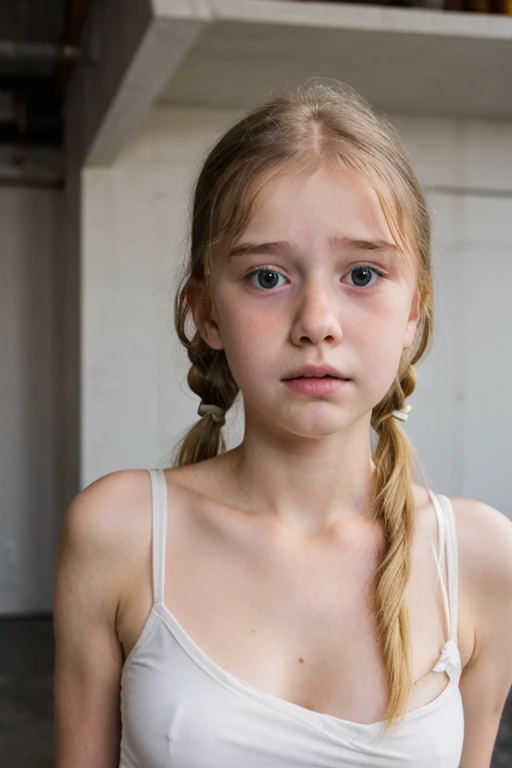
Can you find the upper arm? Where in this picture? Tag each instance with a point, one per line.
(88, 654)
(486, 679)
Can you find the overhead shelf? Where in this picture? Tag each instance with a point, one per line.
(237, 53)
(406, 60)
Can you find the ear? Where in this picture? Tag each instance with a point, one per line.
(205, 320)
(413, 320)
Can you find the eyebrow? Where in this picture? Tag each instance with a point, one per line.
(242, 249)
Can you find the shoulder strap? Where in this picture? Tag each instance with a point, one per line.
(453, 564)
(447, 560)
(159, 531)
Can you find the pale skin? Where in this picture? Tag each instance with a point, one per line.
(273, 538)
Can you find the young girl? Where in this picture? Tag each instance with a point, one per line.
(298, 601)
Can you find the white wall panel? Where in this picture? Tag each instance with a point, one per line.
(435, 419)
(486, 341)
(135, 399)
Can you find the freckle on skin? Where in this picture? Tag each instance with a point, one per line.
(301, 660)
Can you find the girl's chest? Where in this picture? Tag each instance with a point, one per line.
(297, 624)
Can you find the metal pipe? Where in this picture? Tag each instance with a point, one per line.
(38, 52)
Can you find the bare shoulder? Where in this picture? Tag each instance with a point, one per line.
(485, 567)
(95, 558)
(484, 536)
(109, 516)
(109, 503)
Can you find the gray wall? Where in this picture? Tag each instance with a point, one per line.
(30, 233)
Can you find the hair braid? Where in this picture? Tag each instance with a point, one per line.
(210, 378)
(395, 509)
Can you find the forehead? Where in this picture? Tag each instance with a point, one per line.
(329, 203)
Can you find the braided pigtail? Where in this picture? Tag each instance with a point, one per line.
(210, 378)
(394, 507)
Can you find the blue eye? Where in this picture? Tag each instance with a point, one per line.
(364, 270)
(271, 275)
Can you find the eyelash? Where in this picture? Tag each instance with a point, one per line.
(272, 269)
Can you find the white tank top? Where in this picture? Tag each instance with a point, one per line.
(180, 709)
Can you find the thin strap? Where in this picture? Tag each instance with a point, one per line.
(440, 556)
(159, 517)
(446, 560)
(453, 566)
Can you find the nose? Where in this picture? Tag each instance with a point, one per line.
(317, 315)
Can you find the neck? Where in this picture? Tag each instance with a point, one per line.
(311, 487)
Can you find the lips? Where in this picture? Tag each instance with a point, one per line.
(316, 372)
(317, 386)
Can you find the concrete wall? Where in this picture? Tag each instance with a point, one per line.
(135, 400)
(30, 222)
(134, 392)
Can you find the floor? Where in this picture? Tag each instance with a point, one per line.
(26, 698)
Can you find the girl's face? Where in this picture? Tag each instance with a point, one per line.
(295, 290)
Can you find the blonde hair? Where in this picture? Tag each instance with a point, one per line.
(321, 121)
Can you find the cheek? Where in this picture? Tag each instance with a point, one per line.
(250, 339)
(377, 338)
(240, 323)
